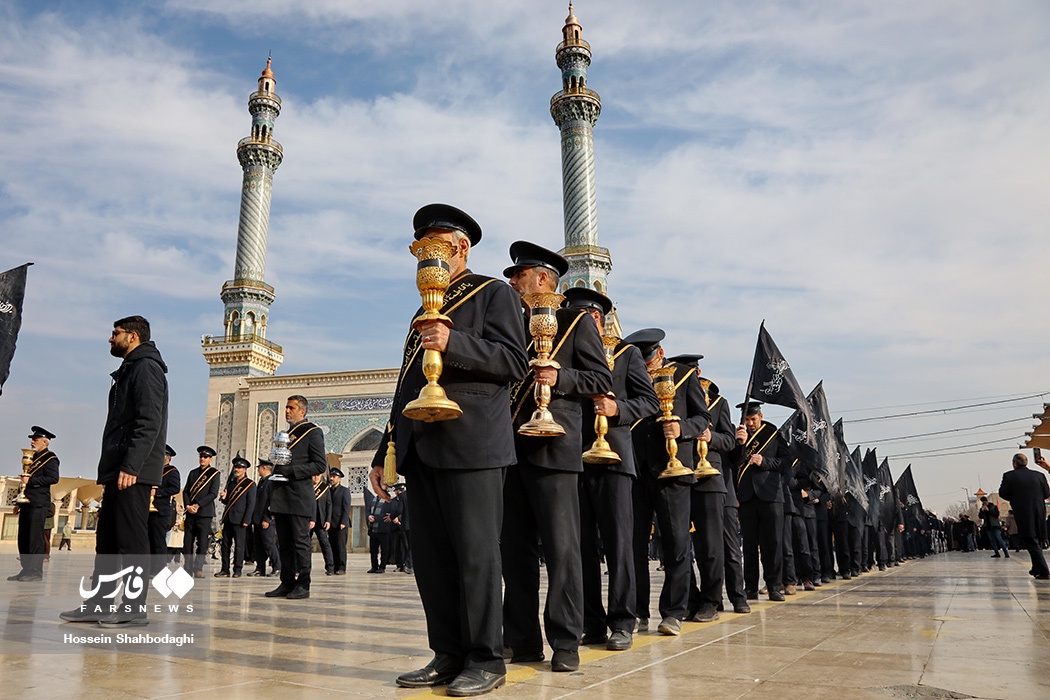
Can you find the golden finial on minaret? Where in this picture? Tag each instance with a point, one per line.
(572, 29)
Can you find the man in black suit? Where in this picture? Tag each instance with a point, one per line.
(292, 501)
(606, 511)
(402, 547)
(161, 521)
(669, 497)
(993, 526)
(202, 488)
(38, 479)
(263, 529)
(758, 487)
(381, 515)
(340, 520)
(321, 524)
(239, 498)
(1027, 492)
(541, 495)
(455, 468)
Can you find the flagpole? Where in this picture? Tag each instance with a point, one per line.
(751, 378)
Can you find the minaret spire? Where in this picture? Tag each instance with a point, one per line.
(575, 109)
(247, 298)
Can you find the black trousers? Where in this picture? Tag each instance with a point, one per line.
(121, 540)
(158, 526)
(1035, 551)
(379, 549)
(847, 548)
(265, 547)
(815, 566)
(293, 543)
(733, 556)
(798, 543)
(707, 512)
(195, 544)
(882, 548)
(31, 537)
(541, 505)
(456, 516)
(789, 552)
(669, 500)
(337, 538)
(827, 549)
(762, 527)
(233, 535)
(607, 522)
(325, 545)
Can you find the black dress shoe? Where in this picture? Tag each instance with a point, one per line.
(706, 613)
(475, 681)
(620, 640)
(429, 675)
(16, 577)
(121, 619)
(741, 608)
(373, 570)
(236, 574)
(281, 591)
(298, 593)
(86, 613)
(752, 595)
(594, 638)
(563, 660)
(31, 577)
(776, 595)
(222, 574)
(522, 656)
(1042, 577)
(256, 573)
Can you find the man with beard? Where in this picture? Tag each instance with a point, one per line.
(202, 488)
(38, 478)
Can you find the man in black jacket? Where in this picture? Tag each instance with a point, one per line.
(1027, 491)
(161, 521)
(321, 524)
(541, 496)
(263, 530)
(293, 501)
(381, 515)
(757, 466)
(131, 464)
(239, 498)
(402, 547)
(606, 510)
(38, 479)
(993, 526)
(198, 497)
(340, 520)
(455, 468)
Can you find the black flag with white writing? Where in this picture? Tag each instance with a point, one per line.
(814, 445)
(772, 380)
(855, 479)
(910, 497)
(888, 506)
(12, 292)
(870, 468)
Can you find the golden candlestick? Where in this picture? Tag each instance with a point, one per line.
(663, 383)
(543, 325)
(601, 451)
(704, 468)
(432, 279)
(152, 506)
(27, 459)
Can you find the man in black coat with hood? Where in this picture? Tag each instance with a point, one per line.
(130, 466)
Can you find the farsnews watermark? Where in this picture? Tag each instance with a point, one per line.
(124, 638)
(131, 582)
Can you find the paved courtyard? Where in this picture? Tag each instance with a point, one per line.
(950, 626)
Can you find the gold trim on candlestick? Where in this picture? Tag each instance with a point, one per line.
(663, 384)
(432, 279)
(152, 506)
(601, 451)
(704, 468)
(27, 459)
(543, 326)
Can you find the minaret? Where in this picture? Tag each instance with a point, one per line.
(243, 349)
(575, 110)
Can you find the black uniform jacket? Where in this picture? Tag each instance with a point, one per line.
(689, 405)
(340, 506)
(635, 399)
(263, 491)
(239, 501)
(137, 422)
(170, 484)
(202, 488)
(485, 354)
(323, 509)
(754, 481)
(43, 472)
(584, 372)
(1027, 492)
(296, 496)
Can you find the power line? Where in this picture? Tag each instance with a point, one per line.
(928, 403)
(954, 447)
(945, 432)
(947, 454)
(947, 410)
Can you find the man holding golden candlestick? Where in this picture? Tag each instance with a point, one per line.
(541, 495)
(660, 488)
(39, 472)
(455, 468)
(161, 520)
(605, 488)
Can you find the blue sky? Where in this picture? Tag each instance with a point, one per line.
(866, 177)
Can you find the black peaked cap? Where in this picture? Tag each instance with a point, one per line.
(587, 298)
(525, 254)
(445, 216)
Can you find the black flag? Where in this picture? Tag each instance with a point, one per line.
(855, 480)
(910, 497)
(888, 505)
(12, 292)
(772, 381)
(870, 468)
(819, 453)
(839, 465)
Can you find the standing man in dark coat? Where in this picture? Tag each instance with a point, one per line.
(263, 529)
(293, 502)
(381, 526)
(1027, 492)
(541, 495)
(322, 521)
(131, 464)
(993, 526)
(38, 479)
(239, 498)
(606, 510)
(340, 520)
(403, 549)
(455, 468)
(757, 464)
(202, 488)
(160, 522)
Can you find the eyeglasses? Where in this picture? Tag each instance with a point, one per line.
(118, 332)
